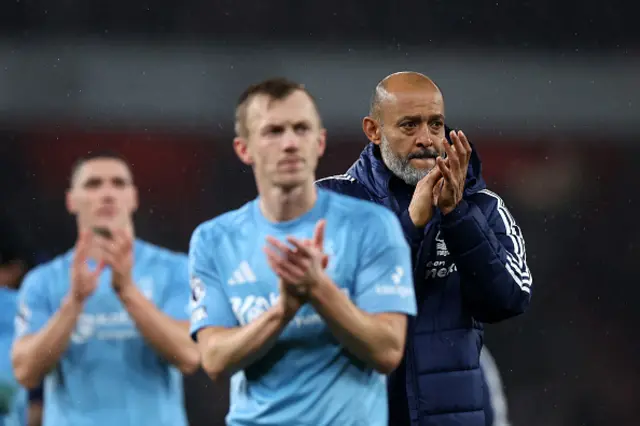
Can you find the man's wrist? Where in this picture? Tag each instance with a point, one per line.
(279, 314)
(72, 305)
(455, 213)
(448, 210)
(319, 291)
(127, 293)
(416, 219)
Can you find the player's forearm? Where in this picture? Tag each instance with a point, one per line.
(166, 335)
(33, 356)
(232, 349)
(370, 338)
(34, 414)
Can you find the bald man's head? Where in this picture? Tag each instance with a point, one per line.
(406, 121)
(399, 82)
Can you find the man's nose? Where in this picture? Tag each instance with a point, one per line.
(291, 141)
(108, 193)
(424, 138)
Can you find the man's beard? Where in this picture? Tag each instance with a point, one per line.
(401, 167)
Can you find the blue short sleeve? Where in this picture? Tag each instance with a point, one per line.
(209, 303)
(384, 281)
(175, 302)
(34, 309)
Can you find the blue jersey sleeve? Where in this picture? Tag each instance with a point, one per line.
(209, 303)
(34, 309)
(175, 302)
(385, 281)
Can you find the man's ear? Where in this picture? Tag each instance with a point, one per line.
(322, 142)
(241, 148)
(136, 199)
(372, 130)
(70, 202)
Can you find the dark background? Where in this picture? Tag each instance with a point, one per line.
(548, 92)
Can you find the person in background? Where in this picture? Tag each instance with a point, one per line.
(469, 260)
(13, 397)
(495, 401)
(106, 324)
(15, 259)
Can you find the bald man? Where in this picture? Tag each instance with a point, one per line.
(469, 260)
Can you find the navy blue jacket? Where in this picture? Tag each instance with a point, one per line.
(469, 268)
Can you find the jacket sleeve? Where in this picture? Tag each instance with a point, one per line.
(489, 252)
(412, 233)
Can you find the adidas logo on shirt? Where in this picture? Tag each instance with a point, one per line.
(242, 275)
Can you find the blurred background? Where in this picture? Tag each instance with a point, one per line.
(547, 91)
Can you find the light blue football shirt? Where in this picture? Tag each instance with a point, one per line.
(109, 375)
(13, 397)
(308, 378)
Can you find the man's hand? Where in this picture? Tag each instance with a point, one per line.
(454, 172)
(11, 272)
(83, 280)
(290, 303)
(318, 241)
(423, 200)
(301, 266)
(117, 252)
